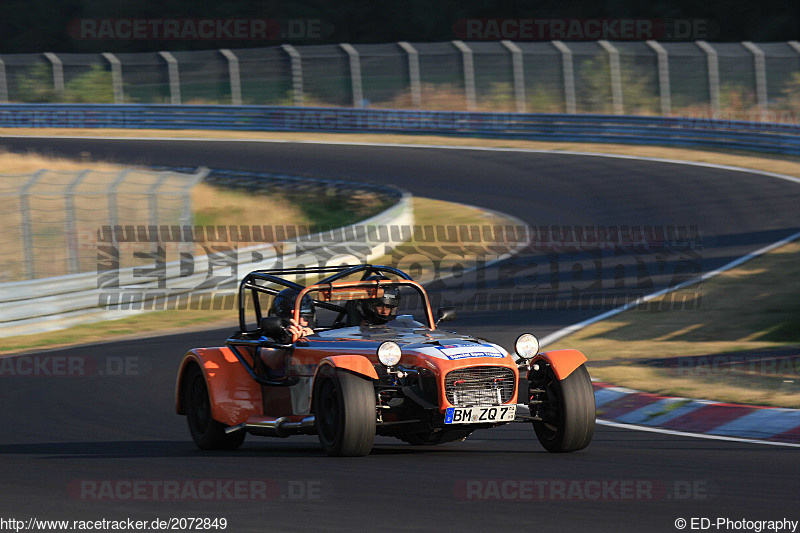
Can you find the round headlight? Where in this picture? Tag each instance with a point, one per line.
(389, 353)
(526, 346)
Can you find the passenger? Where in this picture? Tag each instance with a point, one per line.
(283, 307)
(280, 363)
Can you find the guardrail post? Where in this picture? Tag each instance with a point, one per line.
(186, 212)
(663, 77)
(355, 74)
(297, 73)
(186, 209)
(71, 237)
(616, 76)
(25, 217)
(233, 74)
(174, 78)
(58, 74)
(469, 74)
(760, 70)
(413, 74)
(152, 198)
(112, 197)
(3, 82)
(116, 76)
(713, 74)
(569, 76)
(519, 74)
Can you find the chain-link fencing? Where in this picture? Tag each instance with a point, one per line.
(52, 217)
(601, 77)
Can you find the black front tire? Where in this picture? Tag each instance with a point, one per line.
(207, 433)
(344, 413)
(568, 411)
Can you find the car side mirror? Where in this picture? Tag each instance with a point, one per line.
(446, 314)
(271, 326)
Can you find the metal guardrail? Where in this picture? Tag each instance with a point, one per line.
(53, 303)
(670, 131)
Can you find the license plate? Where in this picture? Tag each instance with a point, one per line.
(479, 415)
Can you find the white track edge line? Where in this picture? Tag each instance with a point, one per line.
(695, 435)
(736, 262)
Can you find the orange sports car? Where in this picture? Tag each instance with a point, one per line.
(369, 359)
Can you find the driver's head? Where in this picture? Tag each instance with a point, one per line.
(283, 306)
(380, 310)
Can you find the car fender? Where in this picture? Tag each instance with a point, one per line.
(233, 394)
(358, 364)
(563, 362)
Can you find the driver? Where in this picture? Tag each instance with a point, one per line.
(379, 311)
(283, 307)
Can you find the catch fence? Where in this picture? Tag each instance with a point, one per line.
(601, 77)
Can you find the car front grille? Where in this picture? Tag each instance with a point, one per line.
(479, 386)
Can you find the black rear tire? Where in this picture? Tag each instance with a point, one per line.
(207, 433)
(344, 413)
(570, 411)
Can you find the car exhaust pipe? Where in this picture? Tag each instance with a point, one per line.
(306, 426)
(234, 429)
(275, 427)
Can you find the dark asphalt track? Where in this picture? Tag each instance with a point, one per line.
(60, 431)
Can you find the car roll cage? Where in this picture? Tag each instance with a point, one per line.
(257, 280)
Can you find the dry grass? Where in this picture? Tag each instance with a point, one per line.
(428, 212)
(11, 163)
(776, 394)
(211, 205)
(742, 310)
(214, 205)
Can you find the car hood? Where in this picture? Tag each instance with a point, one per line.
(412, 337)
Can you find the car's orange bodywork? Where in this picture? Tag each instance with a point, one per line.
(233, 394)
(235, 397)
(365, 363)
(331, 382)
(354, 363)
(563, 362)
